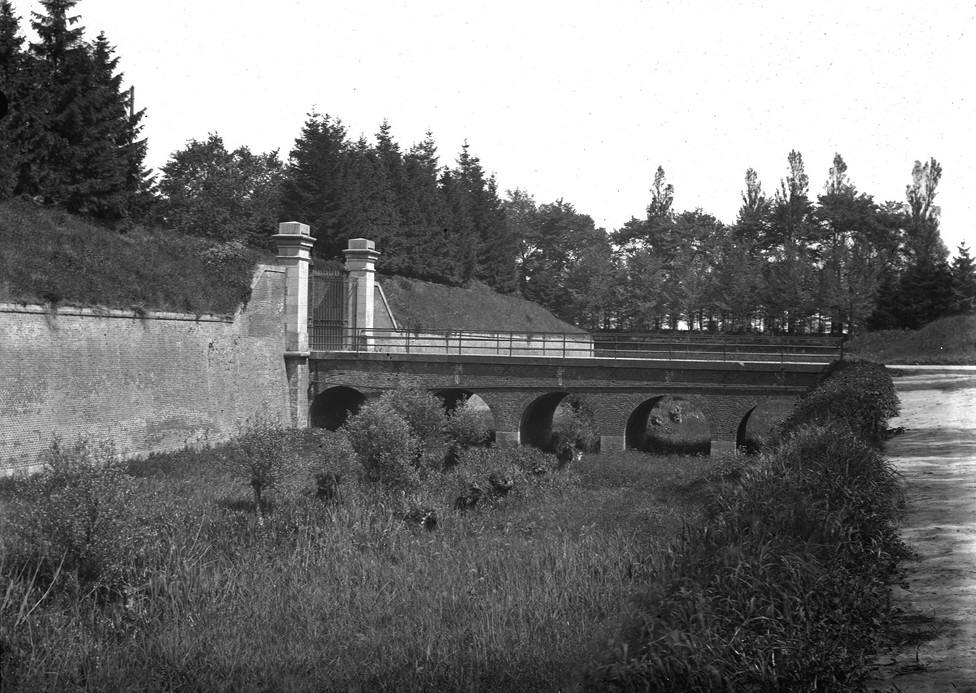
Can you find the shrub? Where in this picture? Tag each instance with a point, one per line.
(573, 423)
(424, 414)
(858, 394)
(337, 466)
(259, 456)
(77, 517)
(466, 427)
(384, 443)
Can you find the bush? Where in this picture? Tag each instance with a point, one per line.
(337, 467)
(573, 423)
(466, 427)
(424, 414)
(260, 457)
(857, 394)
(76, 517)
(384, 443)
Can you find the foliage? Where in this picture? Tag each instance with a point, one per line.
(858, 394)
(515, 595)
(259, 456)
(73, 138)
(222, 195)
(75, 520)
(423, 412)
(785, 585)
(466, 426)
(384, 443)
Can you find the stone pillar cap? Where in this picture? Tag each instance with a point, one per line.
(293, 228)
(361, 244)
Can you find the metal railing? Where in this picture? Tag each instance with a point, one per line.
(571, 345)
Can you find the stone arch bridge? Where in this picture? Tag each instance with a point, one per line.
(521, 378)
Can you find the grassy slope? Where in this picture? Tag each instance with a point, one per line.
(419, 304)
(515, 596)
(949, 340)
(50, 256)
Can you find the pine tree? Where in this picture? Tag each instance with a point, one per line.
(964, 280)
(314, 189)
(64, 74)
(13, 89)
(423, 212)
(89, 159)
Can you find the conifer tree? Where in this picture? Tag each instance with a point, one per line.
(314, 188)
(13, 91)
(423, 213)
(964, 280)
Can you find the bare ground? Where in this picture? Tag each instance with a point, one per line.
(936, 453)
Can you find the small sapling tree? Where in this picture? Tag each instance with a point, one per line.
(259, 457)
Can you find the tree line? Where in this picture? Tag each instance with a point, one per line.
(795, 260)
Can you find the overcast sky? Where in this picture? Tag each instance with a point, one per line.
(579, 100)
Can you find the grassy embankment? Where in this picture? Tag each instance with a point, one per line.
(785, 586)
(518, 594)
(944, 341)
(52, 257)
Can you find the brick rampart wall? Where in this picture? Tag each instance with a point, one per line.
(147, 383)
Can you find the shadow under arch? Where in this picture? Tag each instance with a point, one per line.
(668, 425)
(535, 428)
(559, 417)
(333, 406)
(757, 427)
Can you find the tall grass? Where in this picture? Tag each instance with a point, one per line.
(518, 593)
(785, 585)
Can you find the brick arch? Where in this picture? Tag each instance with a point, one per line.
(535, 425)
(453, 396)
(636, 432)
(331, 407)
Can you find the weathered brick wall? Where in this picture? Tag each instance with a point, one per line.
(151, 383)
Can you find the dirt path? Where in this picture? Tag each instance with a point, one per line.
(937, 456)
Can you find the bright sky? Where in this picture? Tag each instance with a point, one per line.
(579, 100)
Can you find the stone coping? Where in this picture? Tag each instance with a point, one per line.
(98, 312)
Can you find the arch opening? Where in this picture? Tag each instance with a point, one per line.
(456, 398)
(668, 425)
(556, 418)
(758, 425)
(333, 406)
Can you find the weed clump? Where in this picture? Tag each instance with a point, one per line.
(75, 519)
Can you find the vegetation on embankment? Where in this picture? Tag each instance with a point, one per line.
(475, 307)
(786, 584)
(180, 586)
(52, 257)
(947, 341)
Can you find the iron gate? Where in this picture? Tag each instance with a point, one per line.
(332, 299)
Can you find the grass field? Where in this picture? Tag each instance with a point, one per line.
(522, 593)
(950, 340)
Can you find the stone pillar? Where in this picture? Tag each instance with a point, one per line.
(361, 258)
(294, 254)
(613, 443)
(507, 439)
